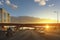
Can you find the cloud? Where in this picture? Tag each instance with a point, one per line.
(51, 5)
(14, 6)
(8, 2)
(11, 5)
(47, 0)
(41, 2)
(1, 3)
(37, 0)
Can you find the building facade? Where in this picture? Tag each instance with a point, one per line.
(4, 16)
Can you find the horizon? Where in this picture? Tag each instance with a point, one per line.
(33, 20)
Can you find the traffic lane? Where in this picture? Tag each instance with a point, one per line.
(52, 36)
(53, 33)
(18, 35)
(28, 35)
(33, 35)
(38, 36)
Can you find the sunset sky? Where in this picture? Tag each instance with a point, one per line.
(34, 8)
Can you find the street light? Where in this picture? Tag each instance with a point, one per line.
(57, 18)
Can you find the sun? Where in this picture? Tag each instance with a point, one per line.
(47, 26)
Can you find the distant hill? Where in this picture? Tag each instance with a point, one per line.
(27, 19)
(24, 19)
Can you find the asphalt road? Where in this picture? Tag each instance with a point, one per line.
(33, 35)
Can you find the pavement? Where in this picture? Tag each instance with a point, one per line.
(31, 35)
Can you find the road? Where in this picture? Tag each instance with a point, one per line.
(32, 35)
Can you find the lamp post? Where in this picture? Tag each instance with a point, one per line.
(57, 16)
(57, 19)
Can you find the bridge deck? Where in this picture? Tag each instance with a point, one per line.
(27, 24)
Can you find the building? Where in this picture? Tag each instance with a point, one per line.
(4, 17)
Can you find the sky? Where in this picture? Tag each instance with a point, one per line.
(34, 8)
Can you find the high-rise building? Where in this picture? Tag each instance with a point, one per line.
(4, 16)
